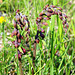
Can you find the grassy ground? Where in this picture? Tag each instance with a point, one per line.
(46, 62)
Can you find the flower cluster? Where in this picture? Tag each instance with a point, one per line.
(22, 22)
(2, 19)
(46, 14)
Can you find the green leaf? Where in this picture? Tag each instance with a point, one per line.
(20, 49)
(44, 42)
(10, 38)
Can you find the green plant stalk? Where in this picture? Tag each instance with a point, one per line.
(40, 69)
(4, 43)
(20, 67)
(29, 66)
(40, 44)
(52, 53)
(63, 57)
(19, 62)
(34, 55)
(52, 39)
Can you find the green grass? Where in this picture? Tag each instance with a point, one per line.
(46, 62)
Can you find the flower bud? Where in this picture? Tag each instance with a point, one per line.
(26, 28)
(46, 6)
(67, 25)
(42, 30)
(60, 13)
(37, 40)
(50, 10)
(19, 56)
(18, 35)
(41, 14)
(40, 17)
(13, 42)
(48, 14)
(44, 23)
(59, 8)
(56, 12)
(17, 18)
(15, 32)
(53, 6)
(28, 31)
(17, 10)
(21, 37)
(19, 40)
(42, 35)
(15, 24)
(64, 22)
(24, 51)
(61, 17)
(16, 45)
(12, 34)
